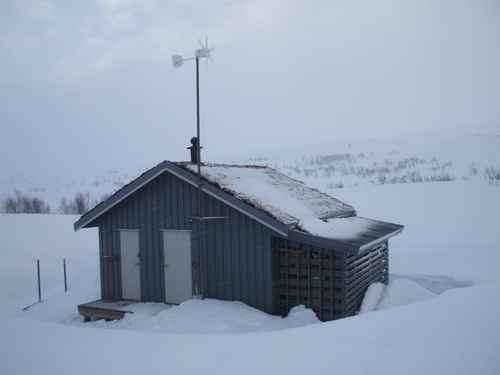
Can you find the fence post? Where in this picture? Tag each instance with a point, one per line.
(38, 279)
(65, 278)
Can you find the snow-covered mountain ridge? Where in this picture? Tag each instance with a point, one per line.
(471, 158)
(475, 158)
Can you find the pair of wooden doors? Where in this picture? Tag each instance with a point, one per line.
(177, 265)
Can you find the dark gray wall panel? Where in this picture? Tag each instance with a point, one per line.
(235, 256)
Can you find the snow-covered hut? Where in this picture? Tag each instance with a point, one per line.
(250, 234)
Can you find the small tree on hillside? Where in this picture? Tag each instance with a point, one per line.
(82, 203)
(65, 207)
(39, 206)
(9, 206)
(24, 204)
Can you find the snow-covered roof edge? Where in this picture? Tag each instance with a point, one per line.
(290, 231)
(286, 199)
(89, 217)
(359, 244)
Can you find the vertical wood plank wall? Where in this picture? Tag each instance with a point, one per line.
(310, 276)
(236, 256)
(363, 270)
(329, 282)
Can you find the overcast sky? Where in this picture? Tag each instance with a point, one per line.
(88, 85)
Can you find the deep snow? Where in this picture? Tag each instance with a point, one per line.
(439, 314)
(50, 238)
(208, 316)
(447, 335)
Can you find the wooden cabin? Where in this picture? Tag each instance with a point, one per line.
(241, 232)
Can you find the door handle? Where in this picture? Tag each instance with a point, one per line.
(165, 266)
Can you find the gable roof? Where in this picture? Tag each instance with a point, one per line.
(287, 200)
(88, 218)
(277, 201)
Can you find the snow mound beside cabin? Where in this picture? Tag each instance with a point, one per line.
(207, 316)
(401, 290)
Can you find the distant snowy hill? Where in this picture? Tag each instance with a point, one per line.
(393, 162)
(327, 167)
(52, 191)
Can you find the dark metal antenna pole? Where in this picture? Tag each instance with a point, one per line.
(178, 60)
(198, 151)
(198, 132)
(38, 280)
(65, 277)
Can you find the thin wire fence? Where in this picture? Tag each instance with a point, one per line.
(39, 281)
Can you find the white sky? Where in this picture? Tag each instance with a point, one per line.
(87, 86)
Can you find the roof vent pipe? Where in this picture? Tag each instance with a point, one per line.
(194, 150)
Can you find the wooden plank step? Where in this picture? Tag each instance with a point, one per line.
(103, 309)
(94, 313)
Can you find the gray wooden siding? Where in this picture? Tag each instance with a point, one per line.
(329, 282)
(361, 271)
(236, 261)
(310, 276)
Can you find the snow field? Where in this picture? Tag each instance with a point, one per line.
(439, 314)
(440, 336)
(50, 238)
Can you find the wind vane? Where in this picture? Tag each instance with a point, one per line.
(204, 52)
(201, 53)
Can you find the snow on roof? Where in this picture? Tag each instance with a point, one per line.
(288, 200)
(346, 229)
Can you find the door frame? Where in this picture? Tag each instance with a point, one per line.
(120, 230)
(163, 272)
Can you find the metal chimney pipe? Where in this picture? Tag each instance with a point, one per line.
(194, 150)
